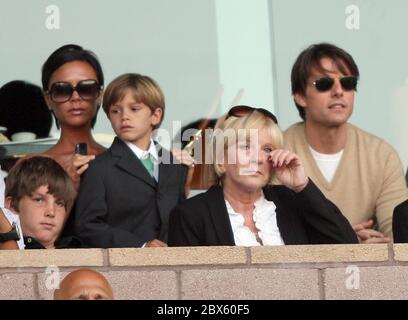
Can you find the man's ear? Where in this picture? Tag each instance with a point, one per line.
(8, 203)
(300, 99)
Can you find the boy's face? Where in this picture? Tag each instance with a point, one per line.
(133, 121)
(42, 216)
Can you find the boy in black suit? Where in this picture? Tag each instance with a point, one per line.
(128, 191)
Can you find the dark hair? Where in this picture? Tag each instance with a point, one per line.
(23, 108)
(311, 58)
(144, 89)
(28, 174)
(70, 53)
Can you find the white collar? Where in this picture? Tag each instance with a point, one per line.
(264, 216)
(260, 204)
(141, 154)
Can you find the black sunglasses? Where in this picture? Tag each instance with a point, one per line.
(240, 111)
(62, 91)
(348, 83)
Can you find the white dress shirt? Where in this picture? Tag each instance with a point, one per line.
(143, 154)
(264, 216)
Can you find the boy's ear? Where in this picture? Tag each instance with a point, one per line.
(8, 203)
(157, 116)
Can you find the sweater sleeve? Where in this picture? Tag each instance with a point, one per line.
(393, 191)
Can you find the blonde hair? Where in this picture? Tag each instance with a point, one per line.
(229, 128)
(144, 89)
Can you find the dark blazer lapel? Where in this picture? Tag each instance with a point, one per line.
(165, 167)
(130, 163)
(284, 218)
(219, 216)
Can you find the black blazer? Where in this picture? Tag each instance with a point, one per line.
(121, 205)
(400, 223)
(306, 217)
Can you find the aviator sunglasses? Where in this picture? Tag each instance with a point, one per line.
(86, 89)
(240, 111)
(348, 83)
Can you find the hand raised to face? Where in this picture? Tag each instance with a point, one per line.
(288, 169)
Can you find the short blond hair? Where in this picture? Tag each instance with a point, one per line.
(228, 128)
(144, 89)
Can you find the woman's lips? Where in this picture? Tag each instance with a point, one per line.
(249, 172)
(77, 111)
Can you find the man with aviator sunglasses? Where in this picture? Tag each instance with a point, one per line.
(359, 172)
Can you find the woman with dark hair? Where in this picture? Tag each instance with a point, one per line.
(72, 81)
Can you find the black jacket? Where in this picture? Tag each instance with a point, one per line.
(66, 243)
(400, 223)
(121, 205)
(306, 217)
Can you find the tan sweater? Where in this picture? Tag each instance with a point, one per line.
(369, 181)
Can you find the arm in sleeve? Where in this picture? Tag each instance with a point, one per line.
(183, 230)
(91, 216)
(324, 221)
(393, 192)
(183, 181)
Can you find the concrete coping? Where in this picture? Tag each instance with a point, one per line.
(193, 256)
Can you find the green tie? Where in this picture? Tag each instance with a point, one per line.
(148, 164)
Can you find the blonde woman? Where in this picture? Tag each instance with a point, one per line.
(245, 207)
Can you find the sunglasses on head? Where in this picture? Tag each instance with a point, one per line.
(348, 83)
(86, 89)
(240, 111)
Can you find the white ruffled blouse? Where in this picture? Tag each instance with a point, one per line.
(264, 216)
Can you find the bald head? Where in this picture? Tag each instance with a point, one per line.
(84, 284)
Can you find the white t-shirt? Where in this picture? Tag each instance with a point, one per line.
(14, 218)
(327, 163)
